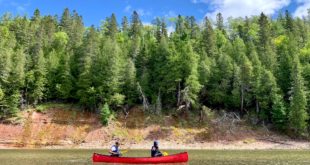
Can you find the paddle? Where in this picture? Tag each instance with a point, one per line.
(165, 153)
(123, 152)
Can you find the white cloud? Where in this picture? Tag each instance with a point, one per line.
(170, 14)
(127, 8)
(170, 29)
(241, 8)
(142, 12)
(146, 23)
(20, 7)
(194, 1)
(302, 9)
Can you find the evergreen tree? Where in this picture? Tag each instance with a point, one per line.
(242, 65)
(284, 64)
(86, 92)
(36, 15)
(136, 25)
(208, 38)
(16, 81)
(298, 115)
(35, 77)
(289, 23)
(105, 114)
(220, 22)
(125, 24)
(266, 54)
(65, 21)
(112, 27)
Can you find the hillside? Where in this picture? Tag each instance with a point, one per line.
(66, 126)
(256, 65)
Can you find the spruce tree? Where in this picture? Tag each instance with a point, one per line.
(112, 27)
(208, 38)
(220, 22)
(125, 25)
(265, 51)
(298, 115)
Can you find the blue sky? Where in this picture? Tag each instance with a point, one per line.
(93, 11)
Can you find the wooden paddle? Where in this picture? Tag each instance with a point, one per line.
(165, 153)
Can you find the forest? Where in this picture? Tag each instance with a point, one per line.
(256, 66)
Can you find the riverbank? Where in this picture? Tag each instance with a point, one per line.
(63, 127)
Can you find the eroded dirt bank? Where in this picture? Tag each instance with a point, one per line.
(60, 128)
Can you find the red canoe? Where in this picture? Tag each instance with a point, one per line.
(177, 158)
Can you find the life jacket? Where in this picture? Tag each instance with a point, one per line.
(115, 149)
(155, 152)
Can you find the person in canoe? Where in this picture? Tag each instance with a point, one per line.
(114, 151)
(155, 150)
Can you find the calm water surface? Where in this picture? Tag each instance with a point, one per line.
(196, 157)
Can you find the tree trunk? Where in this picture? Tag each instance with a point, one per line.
(242, 98)
(179, 95)
(257, 106)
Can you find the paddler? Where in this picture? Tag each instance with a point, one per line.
(155, 150)
(115, 151)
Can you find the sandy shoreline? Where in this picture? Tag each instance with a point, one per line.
(221, 145)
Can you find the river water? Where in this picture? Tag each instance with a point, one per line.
(196, 157)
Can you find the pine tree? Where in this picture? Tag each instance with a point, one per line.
(164, 32)
(86, 92)
(191, 80)
(257, 73)
(65, 21)
(36, 15)
(269, 99)
(289, 24)
(208, 38)
(220, 22)
(16, 80)
(298, 115)
(63, 83)
(220, 81)
(130, 84)
(7, 43)
(105, 114)
(114, 66)
(284, 64)
(125, 25)
(194, 28)
(246, 73)
(136, 25)
(266, 54)
(77, 28)
(112, 27)
(158, 32)
(35, 77)
(135, 34)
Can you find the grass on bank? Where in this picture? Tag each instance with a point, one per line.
(49, 105)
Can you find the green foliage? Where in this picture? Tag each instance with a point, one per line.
(298, 115)
(117, 99)
(245, 65)
(1, 94)
(105, 114)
